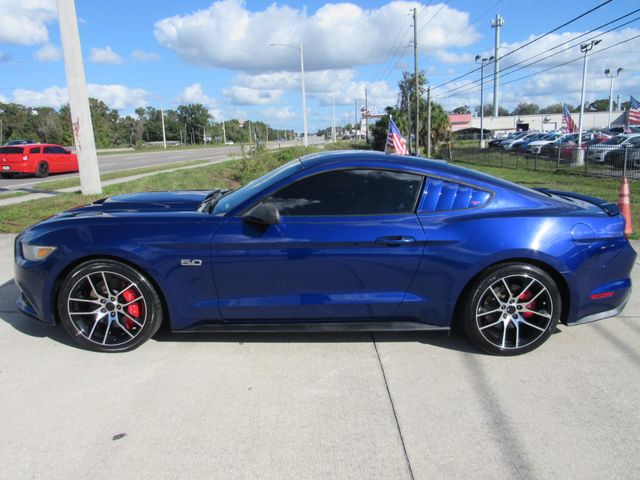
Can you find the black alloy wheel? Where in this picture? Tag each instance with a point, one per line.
(512, 309)
(108, 306)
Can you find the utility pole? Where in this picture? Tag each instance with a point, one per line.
(611, 76)
(584, 48)
(482, 61)
(496, 23)
(429, 122)
(408, 102)
(366, 115)
(78, 99)
(415, 71)
(164, 136)
(355, 118)
(224, 133)
(618, 102)
(333, 124)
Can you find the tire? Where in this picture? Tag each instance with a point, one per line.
(42, 170)
(119, 320)
(511, 309)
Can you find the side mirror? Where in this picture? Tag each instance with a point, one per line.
(263, 214)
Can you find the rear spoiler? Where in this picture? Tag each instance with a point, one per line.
(609, 207)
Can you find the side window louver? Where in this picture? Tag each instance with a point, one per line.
(441, 195)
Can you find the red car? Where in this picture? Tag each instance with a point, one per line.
(39, 159)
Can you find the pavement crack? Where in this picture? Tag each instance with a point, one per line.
(393, 408)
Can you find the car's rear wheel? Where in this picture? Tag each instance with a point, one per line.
(42, 170)
(512, 309)
(108, 306)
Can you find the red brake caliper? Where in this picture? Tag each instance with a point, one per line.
(524, 296)
(134, 309)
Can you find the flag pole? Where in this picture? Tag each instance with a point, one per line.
(386, 143)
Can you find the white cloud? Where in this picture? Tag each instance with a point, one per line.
(105, 55)
(323, 85)
(278, 114)
(239, 95)
(25, 22)
(48, 53)
(559, 85)
(335, 36)
(453, 58)
(49, 97)
(115, 96)
(142, 56)
(195, 94)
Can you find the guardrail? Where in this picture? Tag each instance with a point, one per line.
(594, 160)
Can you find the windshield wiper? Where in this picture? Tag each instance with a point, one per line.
(212, 199)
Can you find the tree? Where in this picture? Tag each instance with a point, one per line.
(526, 109)
(462, 109)
(195, 117)
(404, 115)
(599, 105)
(553, 108)
(488, 111)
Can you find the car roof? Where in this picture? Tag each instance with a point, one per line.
(440, 168)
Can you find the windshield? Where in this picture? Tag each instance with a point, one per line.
(615, 141)
(235, 198)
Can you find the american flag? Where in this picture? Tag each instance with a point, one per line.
(395, 141)
(634, 112)
(567, 120)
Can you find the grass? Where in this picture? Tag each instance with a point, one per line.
(159, 148)
(229, 174)
(75, 182)
(605, 188)
(11, 194)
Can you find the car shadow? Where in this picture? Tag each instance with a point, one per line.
(23, 323)
(28, 326)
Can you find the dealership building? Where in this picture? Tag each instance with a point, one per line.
(466, 123)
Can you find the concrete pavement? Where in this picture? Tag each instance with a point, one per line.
(388, 406)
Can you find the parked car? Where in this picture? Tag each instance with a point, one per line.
(506, 144)
(536, 145)
(495, 143)
(632, 154)
(511, 144)
(599, 153)
(18, 142)
(331, 241)
(522, 146)
(551, 149)
(39, 159)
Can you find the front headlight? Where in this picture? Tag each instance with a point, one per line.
(36, 253)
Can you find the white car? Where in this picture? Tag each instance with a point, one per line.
(598, 153)
(536, 146)
(509, 145)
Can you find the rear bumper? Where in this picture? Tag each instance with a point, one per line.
(602, 315)
(23, 167)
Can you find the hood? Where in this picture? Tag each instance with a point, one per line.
(181, 200)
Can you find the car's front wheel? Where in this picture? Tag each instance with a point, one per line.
(108, 306)
(511, 309)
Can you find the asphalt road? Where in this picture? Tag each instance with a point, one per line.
(123, 161)
(359, 406)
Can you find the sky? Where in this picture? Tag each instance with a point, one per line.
(218, 53)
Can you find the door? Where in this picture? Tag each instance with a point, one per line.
(52, 157)
(347, 247)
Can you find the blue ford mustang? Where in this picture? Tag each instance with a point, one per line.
(343, 240)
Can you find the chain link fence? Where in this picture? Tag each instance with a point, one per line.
(595, 160)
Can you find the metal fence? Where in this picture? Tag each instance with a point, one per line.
(596, 160)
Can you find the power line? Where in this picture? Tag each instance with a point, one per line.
(546, 69)
(599, 34)
(528, 43)
(433, 16)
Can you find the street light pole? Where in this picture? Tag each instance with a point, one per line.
(610, 75)
(304, 95)
(482, 61)
(584, 48)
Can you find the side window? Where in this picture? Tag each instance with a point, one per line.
(442, 195)
(35, 150)
(49, 149)
(61, 150)
(350, 192)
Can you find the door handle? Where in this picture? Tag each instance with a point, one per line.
(395, 241)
